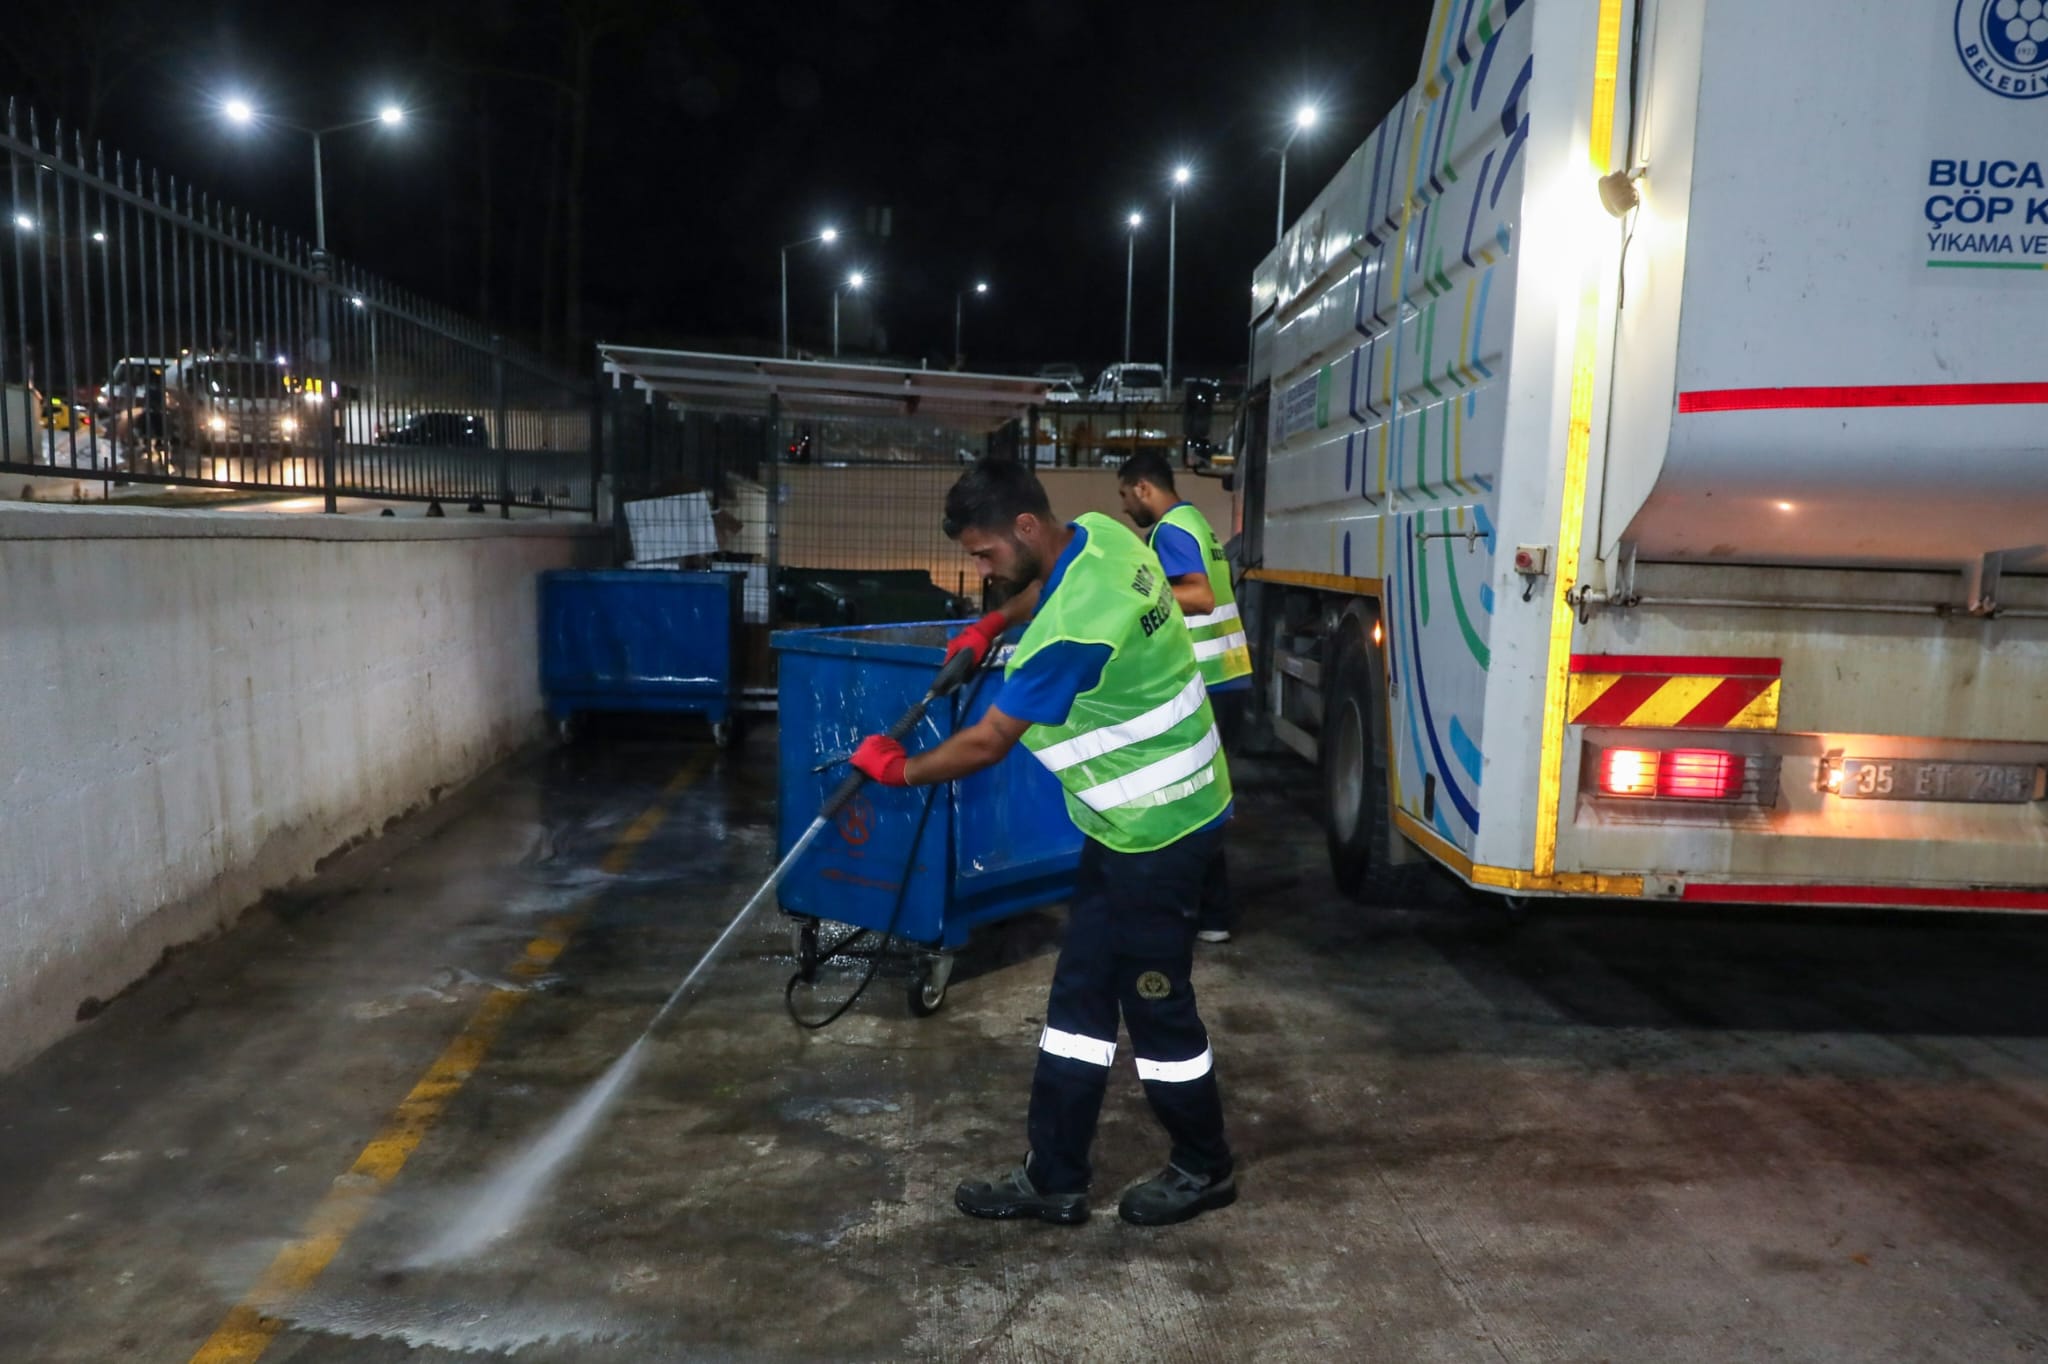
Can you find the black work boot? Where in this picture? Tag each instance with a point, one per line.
(1174, 1195)
(1010, 1193)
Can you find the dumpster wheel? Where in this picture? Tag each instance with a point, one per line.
(804, 935)
(928, 984)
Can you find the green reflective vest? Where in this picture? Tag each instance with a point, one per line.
(1218, 635)
(1138, 755)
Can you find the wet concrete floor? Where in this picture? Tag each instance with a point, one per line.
(1606, 1134)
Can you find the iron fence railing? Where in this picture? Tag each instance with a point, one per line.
(151, 334)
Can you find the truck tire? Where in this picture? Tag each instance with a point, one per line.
(1354, 785)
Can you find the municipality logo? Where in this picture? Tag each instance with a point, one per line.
(2004, 43)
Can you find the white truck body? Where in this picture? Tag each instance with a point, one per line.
(1758, 468)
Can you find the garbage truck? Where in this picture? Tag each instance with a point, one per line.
(1643, 489)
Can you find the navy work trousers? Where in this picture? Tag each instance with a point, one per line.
(1129, 948)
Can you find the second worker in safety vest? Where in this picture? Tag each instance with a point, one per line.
(1200, 576)
(1104, 690)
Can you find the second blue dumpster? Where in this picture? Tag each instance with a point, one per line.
(993, 845)
(639, 640)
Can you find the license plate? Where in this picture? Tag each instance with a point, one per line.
(1962, 783)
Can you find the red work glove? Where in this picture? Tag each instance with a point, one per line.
(980, 637)
(882, 759)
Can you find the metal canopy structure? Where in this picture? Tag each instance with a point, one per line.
(747, 383)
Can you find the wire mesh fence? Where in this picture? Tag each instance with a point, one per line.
(150, 333)
(834, 520)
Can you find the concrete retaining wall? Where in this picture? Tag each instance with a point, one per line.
(196, 707)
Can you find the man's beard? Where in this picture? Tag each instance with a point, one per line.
(1142, 518)
(1029, 567)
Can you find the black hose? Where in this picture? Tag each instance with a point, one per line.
(874, 957)
(895, 911)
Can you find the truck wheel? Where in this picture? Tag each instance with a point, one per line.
(1354, 786)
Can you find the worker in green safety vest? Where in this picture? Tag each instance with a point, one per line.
(1103, 690)
(1193, 559)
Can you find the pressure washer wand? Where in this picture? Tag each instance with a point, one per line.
(957, 669)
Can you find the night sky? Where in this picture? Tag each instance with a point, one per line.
(1004, 141)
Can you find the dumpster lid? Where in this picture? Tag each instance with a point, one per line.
(921, 642)
(745, 383)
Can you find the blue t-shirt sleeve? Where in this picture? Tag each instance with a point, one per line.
(1178, 553)
(1042, 691)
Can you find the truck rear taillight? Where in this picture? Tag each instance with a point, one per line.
(1672, 774)
(1628, 772)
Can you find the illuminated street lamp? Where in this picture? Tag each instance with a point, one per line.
(243, 114)
(824, 238)
(1305, 118)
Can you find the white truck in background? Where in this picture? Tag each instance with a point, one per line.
(1644, 487)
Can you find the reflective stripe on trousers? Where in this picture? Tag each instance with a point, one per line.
(1178, 1072)
(1078, 1047)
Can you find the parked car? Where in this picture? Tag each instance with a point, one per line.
(1071, 373)
(437, 428)
(1063, 391)
(1133, 383)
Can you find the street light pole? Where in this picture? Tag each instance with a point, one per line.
(828, 236)
(853, 282)
(319, 200)
(1130, 276)
(959, 310)
(240, 111)
(1304, 118)
(1181, 176)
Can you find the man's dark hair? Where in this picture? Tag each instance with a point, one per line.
(1147, 466)
(992, 495)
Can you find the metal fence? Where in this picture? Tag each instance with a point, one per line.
(151, 334)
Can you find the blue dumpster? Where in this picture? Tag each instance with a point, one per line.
(993, 845)
(639, 640)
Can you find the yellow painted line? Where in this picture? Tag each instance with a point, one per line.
(1606, 62)
(1465, 338)
(1672, 702)
(1571, 526)
(1627, 886)
(1433, 843)
(1578, 444)
(1329, 582)
(1458, 446)
(1436, 50)
(1513, 878)
(249, 1328)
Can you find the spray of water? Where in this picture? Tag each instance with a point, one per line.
(502, 1200)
